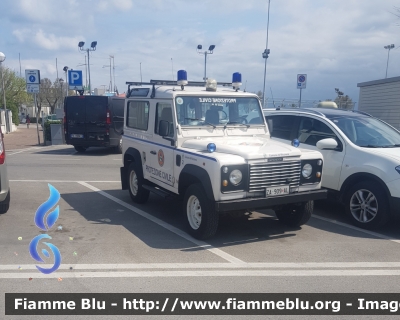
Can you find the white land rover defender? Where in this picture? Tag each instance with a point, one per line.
(211, 146)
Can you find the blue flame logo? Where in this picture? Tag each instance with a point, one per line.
(45, 223)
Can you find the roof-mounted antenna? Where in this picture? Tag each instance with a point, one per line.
(141, 72)
(172, 65)
(245, 85)
(273, 101)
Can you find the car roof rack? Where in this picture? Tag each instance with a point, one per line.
(305, 110)
(364, 113)
(170, 83)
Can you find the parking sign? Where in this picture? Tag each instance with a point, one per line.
(75, 79)
(301, 81)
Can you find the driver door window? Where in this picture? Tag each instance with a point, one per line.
(312, 130)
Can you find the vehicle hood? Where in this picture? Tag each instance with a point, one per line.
(249, 148)
(393, 153)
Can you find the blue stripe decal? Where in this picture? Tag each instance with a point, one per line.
(164, 146)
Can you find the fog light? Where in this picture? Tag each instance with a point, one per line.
(225, 183)
(318, 174)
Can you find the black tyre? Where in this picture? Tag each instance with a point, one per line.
(80, 148)
(295, 215)
(199, 213)
(135, 178)
(367, 205)
(5, 205)
(118, 148)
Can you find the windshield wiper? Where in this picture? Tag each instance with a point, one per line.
(195, 119)
(370, 146)
(391, 146)
(236, 122)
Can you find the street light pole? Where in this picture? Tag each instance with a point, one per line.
(66, 81)
(209, 51)
(265, 55)
(389, 47)
(2, 58)
(92, 48)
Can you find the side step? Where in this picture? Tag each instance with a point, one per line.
(159, 192)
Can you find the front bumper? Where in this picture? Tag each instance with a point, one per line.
(265, 203)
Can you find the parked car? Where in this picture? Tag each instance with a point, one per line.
(361, 158)
(93, 121)
(4, 185)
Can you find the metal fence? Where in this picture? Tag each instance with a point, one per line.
(294, 103)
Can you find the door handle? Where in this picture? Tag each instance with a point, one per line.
(153, 152)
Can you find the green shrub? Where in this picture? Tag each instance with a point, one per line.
(48, 129)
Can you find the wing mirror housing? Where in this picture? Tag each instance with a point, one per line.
(327, 144)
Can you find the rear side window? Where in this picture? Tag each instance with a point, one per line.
(86, 109)
(281, 126)
(138, 115)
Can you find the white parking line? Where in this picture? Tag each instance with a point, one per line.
(165, 225)
(66, 181)
(19, 151)
(203, 266)
(60, 159)
(203, 273)
(375, 234)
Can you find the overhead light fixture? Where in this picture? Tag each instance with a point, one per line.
(199, 47)
(94, 44)
(81, 44)
(212, 47)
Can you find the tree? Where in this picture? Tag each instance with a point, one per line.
(344, 102)
(15, 89)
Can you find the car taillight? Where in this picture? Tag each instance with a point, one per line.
(108, 120)
(2, 149)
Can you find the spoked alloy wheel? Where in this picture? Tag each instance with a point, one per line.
(363, 206)
(194, 213)
(367, 205)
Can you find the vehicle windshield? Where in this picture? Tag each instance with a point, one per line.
(368, 132)
(218, 111)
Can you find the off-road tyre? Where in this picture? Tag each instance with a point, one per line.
(135, 184)
(294, 215)
(203, 224)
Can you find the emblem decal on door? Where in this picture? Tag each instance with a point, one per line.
(161, 158)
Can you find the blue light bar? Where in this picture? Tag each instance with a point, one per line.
(236, 80)
(237, 77)
(182, 78)
(211, 147)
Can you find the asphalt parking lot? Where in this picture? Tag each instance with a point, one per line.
(109, 244)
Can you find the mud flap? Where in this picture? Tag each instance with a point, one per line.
(124, 178)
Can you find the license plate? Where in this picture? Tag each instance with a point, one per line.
(76, 135)
(276, 191)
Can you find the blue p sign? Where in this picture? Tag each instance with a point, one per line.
(75, 79)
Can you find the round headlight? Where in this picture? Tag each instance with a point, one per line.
(307, 170)
(235, 177)
(295, 143)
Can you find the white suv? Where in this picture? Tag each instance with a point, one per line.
(361, 154)
(211, 147)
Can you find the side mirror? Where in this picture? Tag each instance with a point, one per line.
(327, 144)
(163, 128)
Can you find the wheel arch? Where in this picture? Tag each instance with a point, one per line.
(359, 177)
(193, 174)
(130, 155)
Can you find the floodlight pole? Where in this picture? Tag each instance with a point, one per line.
(206, 52)
(389, 47)
(265, 56)
(92, 48)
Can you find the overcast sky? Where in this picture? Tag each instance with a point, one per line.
(337, 43)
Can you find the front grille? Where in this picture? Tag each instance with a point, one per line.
(264, 175)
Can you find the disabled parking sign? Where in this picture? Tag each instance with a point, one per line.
(301, 81)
